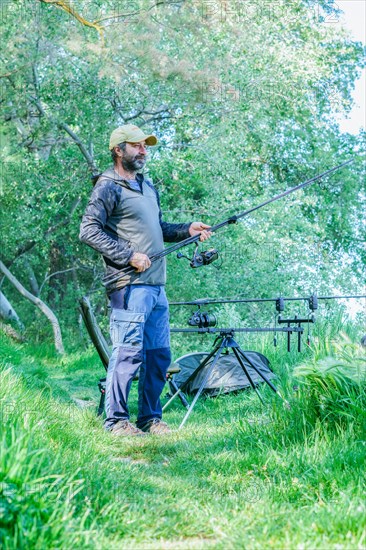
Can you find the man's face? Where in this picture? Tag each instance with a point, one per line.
(134, 156)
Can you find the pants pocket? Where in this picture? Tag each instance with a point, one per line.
(127, 328)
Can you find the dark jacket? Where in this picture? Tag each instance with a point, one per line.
(102, 228)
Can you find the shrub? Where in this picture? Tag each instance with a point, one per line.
(334, 385)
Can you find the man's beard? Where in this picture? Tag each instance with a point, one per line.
(133, 164)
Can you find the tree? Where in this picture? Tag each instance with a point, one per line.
(41, 305)
(244, 102)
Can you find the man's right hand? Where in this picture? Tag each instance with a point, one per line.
(140, 262)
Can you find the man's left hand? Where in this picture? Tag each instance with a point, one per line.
(199, 228)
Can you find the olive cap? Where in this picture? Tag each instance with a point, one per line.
(131, 134)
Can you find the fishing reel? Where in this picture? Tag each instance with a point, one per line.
(199, 259)
(202, 319)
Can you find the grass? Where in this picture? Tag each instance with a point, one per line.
(239, 475)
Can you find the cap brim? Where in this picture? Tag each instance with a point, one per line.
(149, 140)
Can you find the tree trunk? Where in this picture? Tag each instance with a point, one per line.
(41, 305)
(58, 282)
(7, 311)
(32, 279)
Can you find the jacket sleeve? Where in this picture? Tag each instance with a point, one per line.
(92, 229)
(172, 232)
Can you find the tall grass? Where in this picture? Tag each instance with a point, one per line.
(38, 503)
(334, 381)
(238, 475)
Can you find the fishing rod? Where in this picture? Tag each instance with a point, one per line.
(207, 257)
(312, 299)
(209, 330)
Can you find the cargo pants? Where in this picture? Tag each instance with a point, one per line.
(139, 328)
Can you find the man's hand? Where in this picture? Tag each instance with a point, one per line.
(140, 262)
(199, 228)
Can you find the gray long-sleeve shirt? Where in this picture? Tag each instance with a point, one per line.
(123, 218)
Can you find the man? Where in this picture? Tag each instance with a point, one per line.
(123, 222)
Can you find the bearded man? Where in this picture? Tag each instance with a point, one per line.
(123, 222)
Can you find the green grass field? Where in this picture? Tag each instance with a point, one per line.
(239, 475)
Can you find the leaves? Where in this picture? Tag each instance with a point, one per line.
(336, 383)
(243, 102)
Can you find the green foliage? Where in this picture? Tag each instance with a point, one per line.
(244, 103)
(335, 384)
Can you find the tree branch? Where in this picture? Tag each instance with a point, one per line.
(65, 6)
(41, 305)
(27, 246)
(54, 274)
(79, 143)
(75, 137)
(137, 12)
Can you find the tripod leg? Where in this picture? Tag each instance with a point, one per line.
(185, 384)
(241, 363)
(263, 376)
(181, 395)
(204, 381)
(178, 393)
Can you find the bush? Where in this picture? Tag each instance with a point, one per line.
(334, 385)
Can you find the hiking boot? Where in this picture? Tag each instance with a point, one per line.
(124, 428)
(155, 426)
